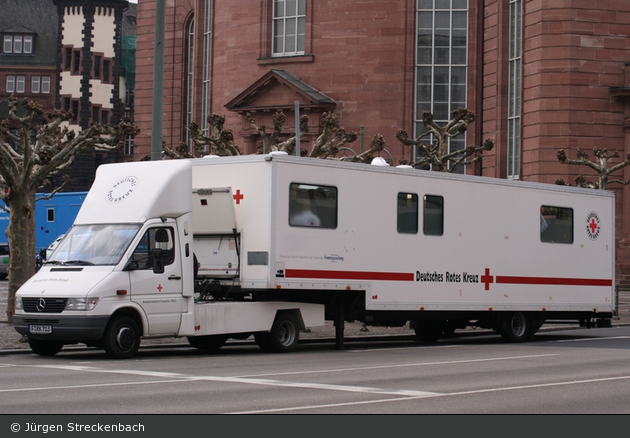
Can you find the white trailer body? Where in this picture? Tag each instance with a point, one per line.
(488, 254)
(382, 245)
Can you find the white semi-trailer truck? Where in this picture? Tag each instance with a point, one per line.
(269, 245)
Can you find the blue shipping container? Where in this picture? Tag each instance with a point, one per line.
(52, 216)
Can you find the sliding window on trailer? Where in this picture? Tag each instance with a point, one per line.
(312, 205)
(556, 224)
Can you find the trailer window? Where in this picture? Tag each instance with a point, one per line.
(556, 224)
(433, 215)
(407, 213)
(312, 206)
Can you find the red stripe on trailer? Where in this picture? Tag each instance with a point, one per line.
(508, 279)
(349, 275)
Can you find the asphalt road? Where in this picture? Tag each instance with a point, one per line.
(581, 371)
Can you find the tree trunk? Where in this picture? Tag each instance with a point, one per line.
(21, 236)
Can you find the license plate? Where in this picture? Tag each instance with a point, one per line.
(40, 329)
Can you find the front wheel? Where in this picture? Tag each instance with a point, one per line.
(45, 348)
(122, 338)
(283, 337)
(517, 327)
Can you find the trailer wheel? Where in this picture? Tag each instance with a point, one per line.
(517, 327)
(283, 337)
(122, 338)
(207, 342)
(45, 348)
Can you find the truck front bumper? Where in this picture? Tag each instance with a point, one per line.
(61, 328)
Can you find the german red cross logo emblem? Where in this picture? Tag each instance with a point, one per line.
(592, 225)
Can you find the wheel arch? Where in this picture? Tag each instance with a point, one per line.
(133, 313)
(296, 313)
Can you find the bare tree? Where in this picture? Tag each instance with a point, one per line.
(25, 169)
(600, 165)
(436, 156)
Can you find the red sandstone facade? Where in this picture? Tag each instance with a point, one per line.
(362, 55)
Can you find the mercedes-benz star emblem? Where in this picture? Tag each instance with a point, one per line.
(41, 305)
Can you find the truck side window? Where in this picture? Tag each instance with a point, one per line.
(155, 238)
(556, 224)
(407, 213)
(312, 206)
(433, 215)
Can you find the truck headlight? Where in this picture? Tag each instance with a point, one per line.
(81, 303)
(18, 303)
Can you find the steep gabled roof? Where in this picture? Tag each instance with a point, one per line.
(31, 16)
(279, 89)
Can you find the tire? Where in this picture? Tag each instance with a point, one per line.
(207, 342)
(45, 348)
(122, 338)
(283, 337)
(517, 327)
(428, 332)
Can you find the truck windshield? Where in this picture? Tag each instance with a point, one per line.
(102, 244)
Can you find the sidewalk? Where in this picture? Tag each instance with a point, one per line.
(12, 340)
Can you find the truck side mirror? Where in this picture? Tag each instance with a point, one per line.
(157, 258)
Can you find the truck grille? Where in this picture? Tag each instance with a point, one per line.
(44, 305)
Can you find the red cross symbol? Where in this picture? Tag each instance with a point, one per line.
(593, 226)
(487, 279)
(159, 288)
(238, 196)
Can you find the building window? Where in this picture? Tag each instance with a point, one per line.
(50, 215)
(67, 62)
(28, 44)
(289, 27)
(35, 84)
(10, 84)
(189, 60)
(17, 44)
(441, 59)
(514, 90)
(8, 44)
(20, 84)
(433, 215)
(97, 67)
(96, 112)
(76, 62)
(312, 206)
(75, 111)
(104, 117)
(407, 213)
(106, 72)
(205, 82)
(46, 84)
(128, 149)
(556, 224)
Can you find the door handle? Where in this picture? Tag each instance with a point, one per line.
(174, 277)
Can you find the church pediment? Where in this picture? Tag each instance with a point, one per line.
(278, 90)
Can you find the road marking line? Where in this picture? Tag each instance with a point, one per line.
(418, 364)
(479, 391)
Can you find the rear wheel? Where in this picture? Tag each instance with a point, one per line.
(122, 338)
(207, 342)
(283, 337)
(45, 348)
(517, 327)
